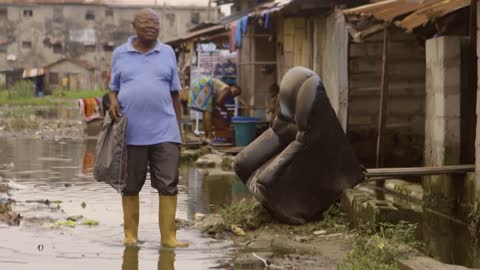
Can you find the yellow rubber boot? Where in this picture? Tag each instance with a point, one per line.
(131, 215)
(166, 220)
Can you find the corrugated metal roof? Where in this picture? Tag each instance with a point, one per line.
(424, 15)
(53, 2)
(32, 72)
(223, 24)
(419, 12)
(76, 61)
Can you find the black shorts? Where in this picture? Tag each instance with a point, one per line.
(163, 160)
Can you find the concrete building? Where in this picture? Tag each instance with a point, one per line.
(36, 33)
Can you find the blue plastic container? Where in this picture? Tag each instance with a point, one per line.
(245, 130)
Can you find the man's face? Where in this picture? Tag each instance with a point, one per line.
(147, 26)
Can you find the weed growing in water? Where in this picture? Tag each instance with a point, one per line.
(381, 247)
(247, 213)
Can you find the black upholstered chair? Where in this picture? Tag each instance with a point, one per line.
(300, 166)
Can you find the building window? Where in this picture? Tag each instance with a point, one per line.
(27, 13)
(195, 18)
(90, 48)
(109, 12)
(58, 14)
(57, 48)
(90, 15)
(171, 19)
(26, 44)
(53, 78)
(3, 13)
(107, 47)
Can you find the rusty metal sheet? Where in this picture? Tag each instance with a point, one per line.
(419, 12)
(424, 15)
(53, 2)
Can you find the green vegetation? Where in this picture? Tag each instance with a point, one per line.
(5, 207)
(90, 222)
(78, 94)
(380, 248)
(23, 93)
(246, 213)
(64, 223)
(4, 188)
(474, 221)
(72, 224)
(227, 164)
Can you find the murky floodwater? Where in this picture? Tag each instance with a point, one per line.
(445, 236)
(63, 172)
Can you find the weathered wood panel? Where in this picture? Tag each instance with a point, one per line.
(405, 116)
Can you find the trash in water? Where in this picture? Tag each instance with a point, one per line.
(90, 222)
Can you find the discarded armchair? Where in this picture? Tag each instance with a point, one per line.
(300, 166)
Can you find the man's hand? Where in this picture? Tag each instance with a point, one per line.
(114, 110)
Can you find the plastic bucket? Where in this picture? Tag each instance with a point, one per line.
(245, 130)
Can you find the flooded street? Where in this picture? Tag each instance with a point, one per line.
(62, 174)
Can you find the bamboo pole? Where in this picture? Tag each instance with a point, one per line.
(383, 98)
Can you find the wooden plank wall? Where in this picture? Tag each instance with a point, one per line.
(405, 123)
(246, 71)
(294, 49)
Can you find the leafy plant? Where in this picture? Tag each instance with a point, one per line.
(379, 248)
(247, 213)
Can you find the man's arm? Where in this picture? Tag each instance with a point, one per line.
(177, 106)
(114, 85)
(114, 110)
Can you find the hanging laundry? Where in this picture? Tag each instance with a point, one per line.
(231, 35)
(241, 31)
(266, 19)
(90, 109)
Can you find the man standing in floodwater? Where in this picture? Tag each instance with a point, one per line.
(145, 88)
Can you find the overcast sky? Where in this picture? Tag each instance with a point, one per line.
(225, 8)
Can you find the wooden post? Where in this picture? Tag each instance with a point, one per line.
(383, 98)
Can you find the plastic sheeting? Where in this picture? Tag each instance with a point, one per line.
(111, 154)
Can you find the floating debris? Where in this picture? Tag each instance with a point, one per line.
(237, 230)
(90, 222)
(64, 223)
(266, 262)
(199, 217)
(75, 218)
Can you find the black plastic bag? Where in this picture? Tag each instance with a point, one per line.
(111, 154)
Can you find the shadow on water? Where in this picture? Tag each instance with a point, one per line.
(53, 181)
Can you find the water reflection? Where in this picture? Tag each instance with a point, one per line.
(449, 239)
(45, 170)
(166, 258)
(88, 157)
(130, 258)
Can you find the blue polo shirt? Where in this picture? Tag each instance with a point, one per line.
(144, 82)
